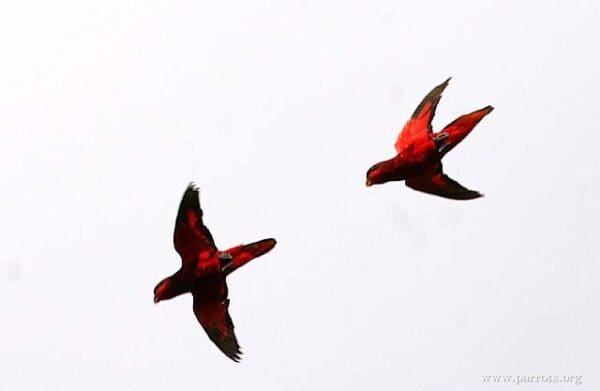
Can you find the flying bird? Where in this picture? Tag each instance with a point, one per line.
(203, 272)
(420, 151)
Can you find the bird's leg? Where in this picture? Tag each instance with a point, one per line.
(440, 142)
(226, 261)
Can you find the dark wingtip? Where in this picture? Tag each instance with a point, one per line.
(192, 187)
(191, 192)
(440, 88)
(472, 195)
(190, 199)
(234, 355)
(433, 97)
(228, 345)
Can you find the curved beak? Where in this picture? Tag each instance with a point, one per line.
(369, 183)
(156, 300)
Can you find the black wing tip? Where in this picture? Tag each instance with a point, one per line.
(192, 192)
(232, 353)
(439, 89)
(434, 97)
(471, 195)
(192, 187)
(466, 196)
(230, 350)
(228, 345)
(235, 356)
(190, 199)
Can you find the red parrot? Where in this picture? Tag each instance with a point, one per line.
(203, 271)
(420, 151)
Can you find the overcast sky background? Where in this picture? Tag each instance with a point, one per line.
(276, 110)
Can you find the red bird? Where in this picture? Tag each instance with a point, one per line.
(420, 151)
(203, 272)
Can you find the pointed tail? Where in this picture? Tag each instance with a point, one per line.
(458, 129)
(245, 253)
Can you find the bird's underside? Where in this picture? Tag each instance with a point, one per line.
(204, 269)
(420, 150)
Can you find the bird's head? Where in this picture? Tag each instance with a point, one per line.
(164, 290)
(382, 172)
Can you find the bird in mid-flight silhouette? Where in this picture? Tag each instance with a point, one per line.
(420, 151)
(203, 272)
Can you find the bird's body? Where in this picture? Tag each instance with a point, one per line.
(204, 270)
(420, 151)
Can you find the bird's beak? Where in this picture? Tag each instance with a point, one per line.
(369, 183)
(156, 300)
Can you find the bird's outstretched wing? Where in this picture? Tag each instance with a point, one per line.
(458, 129)
(243, 254)
(420, 122)
(191, 235)
(438, 183)
(213, 315)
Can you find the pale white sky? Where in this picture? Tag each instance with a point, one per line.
(276, 110)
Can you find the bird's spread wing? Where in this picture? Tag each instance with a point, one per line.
(420, 122)
(191, 235)
(438, 183)
(214, 317)
(243, 254)
(458, 129)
